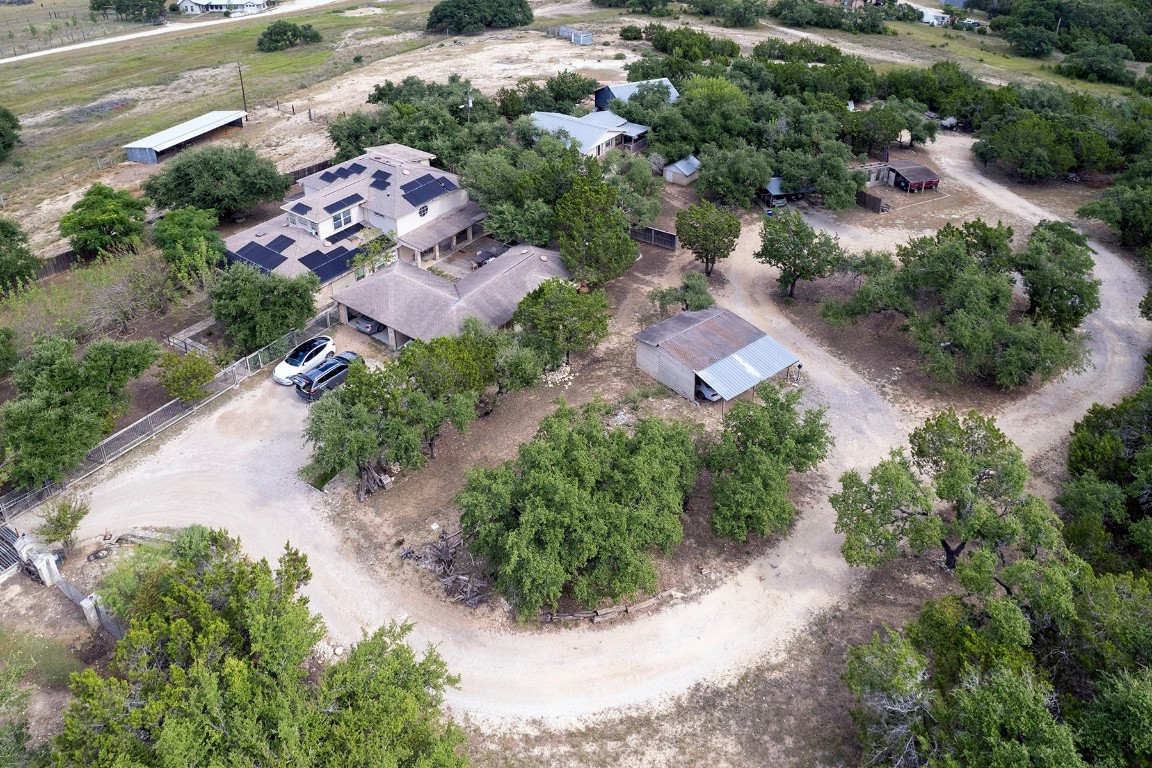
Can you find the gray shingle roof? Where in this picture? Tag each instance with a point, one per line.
(422, 305)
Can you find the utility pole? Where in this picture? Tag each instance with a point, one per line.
(243, 95)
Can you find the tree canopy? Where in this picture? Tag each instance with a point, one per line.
(469, 17)
(790, 244)
(18, 264)
(188, 239)
(219, 178)
(282, 35)
(594, 242)
(9, 132)
(710, 233)
(581, 507)
(218, 668)
(104, 220)
(559, 319)
(956, 290)
(762, 441)
(66, 404)
(257, 308)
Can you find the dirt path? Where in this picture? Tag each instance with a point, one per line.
(236, 467)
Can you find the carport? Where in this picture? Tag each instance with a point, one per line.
(149, 149)
(714, 346)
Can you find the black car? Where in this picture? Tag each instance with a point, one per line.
(328, 375)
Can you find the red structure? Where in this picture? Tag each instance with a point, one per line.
(913, 177)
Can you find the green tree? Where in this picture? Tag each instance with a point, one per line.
(973, 503)
(61, 520)
(218, 669)
(282, 35)
(185, 236)
(559, 319)
(104, 221)
(65, 405)
(184, 377)
(1103, 63)
(790, 244)
(446, 366)
(734, 176)
(218, 178)
(762, 441)
(256, 308)
(18, 265)
(1034, 42)
(527, 223)
(1057, 271)
(638, 190)
(709, 232)
(9, 133)
(469, 17)
(594, 242)
(1115, 730)
(581, 507)
(568, 88)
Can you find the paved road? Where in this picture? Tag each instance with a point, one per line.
(289, 6)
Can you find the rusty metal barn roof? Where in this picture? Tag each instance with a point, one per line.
(729, 353)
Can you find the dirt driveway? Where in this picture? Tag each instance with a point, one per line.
(236, 467)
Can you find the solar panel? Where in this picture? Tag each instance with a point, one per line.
(280, 243)
(447, 184)
(301, 208)
(356, 169)
(354, 198)
(346, 233)
(380, 184)
(381, 174)
(313, 259)
(425, 188)
(328, 265)
(261, 257)
(328, 177)
(423, 194)
(417, 182)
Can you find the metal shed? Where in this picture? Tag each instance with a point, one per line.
(715, 346)
(913, 177)
(148, 149)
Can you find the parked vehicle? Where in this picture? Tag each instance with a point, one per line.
(328, 375)
(706, 392)
(305, 356)
(484, 256)
(365, 324)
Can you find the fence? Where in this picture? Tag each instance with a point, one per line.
(579, 37)
(113, 447)
(308, 170)
(106, 619)
(870, 201)
(656, 237)
(61, 262)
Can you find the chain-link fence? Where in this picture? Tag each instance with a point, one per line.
(113, 447)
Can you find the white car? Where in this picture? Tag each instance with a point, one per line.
(306, 356)
(706, 392)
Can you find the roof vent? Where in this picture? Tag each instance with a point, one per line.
(261, 234)
(543, 257)
(524, 250)
(404, 171)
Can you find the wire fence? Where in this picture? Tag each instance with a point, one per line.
(16, 503)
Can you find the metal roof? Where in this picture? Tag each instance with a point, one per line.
(685, 165)
(914, 172)
(726, 351)
(744, 369)
(588, 131)
(186, 131)
(625, 91)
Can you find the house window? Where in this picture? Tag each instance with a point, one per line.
(423, 210)
(293, 221)
(342, 219)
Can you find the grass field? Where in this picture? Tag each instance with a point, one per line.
(52, 23)
(78, 108)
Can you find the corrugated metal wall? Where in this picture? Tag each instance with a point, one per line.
(666, 369)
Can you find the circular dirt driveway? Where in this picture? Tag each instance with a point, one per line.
(234, 466)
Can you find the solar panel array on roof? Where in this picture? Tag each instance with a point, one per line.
(328, 265)
(280, 243)
(301, 208)
(258, 256)
(380, 180)
(347, 202)
(425, 188)
(343, 172)
(346, 233)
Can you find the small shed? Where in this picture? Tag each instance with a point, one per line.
(913, 177)
(683, 171)
(714, 346)
(149, 149)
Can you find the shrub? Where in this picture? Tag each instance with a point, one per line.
(630, 32)
(183, 376)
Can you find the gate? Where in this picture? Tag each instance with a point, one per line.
(870, 201)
